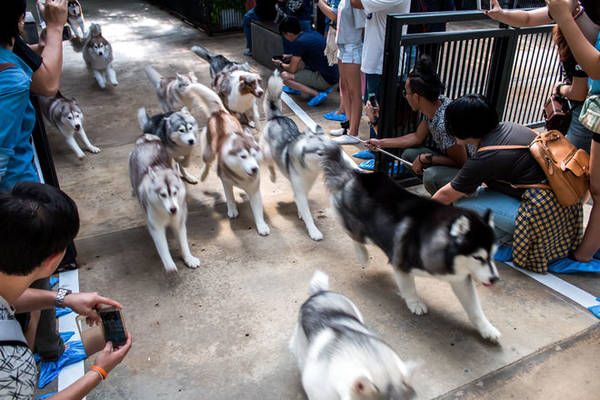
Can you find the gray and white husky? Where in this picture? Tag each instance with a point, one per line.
(67, 117)
(170, 90)
(98, 55)
(236, 84)
(179, 133)
(75, 17)
(420, 236)
(237, 153)
(161, 194)
(339, 357)
(296, 154)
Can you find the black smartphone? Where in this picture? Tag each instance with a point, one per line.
(280, 58)
(372, 99)
(114, 326)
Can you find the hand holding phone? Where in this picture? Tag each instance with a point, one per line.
(109, 357)
(114, 326)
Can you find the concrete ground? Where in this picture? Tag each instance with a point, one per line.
(221, 331)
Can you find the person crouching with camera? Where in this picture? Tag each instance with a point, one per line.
(38, 222)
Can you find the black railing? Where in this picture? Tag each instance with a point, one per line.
(514, 68)
(212, 16)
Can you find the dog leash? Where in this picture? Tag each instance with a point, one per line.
(387, 153)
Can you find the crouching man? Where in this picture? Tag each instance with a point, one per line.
(38, 222)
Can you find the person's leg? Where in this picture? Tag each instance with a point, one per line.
(342, 67)
(48, 343)
(504, 210)
(591, 237)
(579, 135)
(31, 330)
(437, 176)
(373, 83)
(354, 102)
(290, 81)
(247, 24)
(412, 153)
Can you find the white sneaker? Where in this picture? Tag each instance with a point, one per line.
(346, 139)
(336, 132)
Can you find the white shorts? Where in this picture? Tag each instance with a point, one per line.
(350, 53)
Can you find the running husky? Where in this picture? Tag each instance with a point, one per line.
(296, 154)
(97, 54)
(179, 133)
(338, 357)
(67, 117)
(237, 153)
(75, 17)
(420, 236)
(170, 90)
(237, 86)
(161, 194)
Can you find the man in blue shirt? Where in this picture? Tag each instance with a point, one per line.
(318, 77)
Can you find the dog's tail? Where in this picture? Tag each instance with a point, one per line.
(208, 97)
(153, 75)
(272, 100)
(142, 117)
(337, 168)
(202, 53)
(78, 43)
(319, 282)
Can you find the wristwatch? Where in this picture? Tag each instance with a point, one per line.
(60, 296)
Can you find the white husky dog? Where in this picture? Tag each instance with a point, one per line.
(296, 154)
(237, 153)
(170, 90)
(98, 55)
(339, 358)
(75, 17)
(67, 117)
(161, 194)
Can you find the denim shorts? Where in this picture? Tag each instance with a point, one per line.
(350, 53)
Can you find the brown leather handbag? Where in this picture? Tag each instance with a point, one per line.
(566, 167)
(557, 113)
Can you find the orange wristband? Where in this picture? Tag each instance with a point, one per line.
(99, 370)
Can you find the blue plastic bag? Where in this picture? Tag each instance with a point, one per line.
(595, 309)
(45, 396)
(567, 266)
(504, 253)
(60, 311)
(53, 281)
(50, 370)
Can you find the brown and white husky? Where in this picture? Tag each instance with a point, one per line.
(170, 90)
(75, 18)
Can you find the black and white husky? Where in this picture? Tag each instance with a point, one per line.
(339, 357)
(161, 194)
(420, 236)
(236, 84)
(179, 133)
(67, 117)
(98, 55)
(296, 154)
(170, 90)
(75, 17)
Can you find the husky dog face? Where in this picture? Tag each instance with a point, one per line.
(250, 83)
(99, 48)
(185, 80)
(182, 128)
(243, 155)
(474, 239)
(71, 116)
(74, 9)
(166, 189)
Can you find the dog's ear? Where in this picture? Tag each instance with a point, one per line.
(192, 77)
(487, 217)
(177, 170)
(185, 110)
(242, 78)
(152, 174)
(319, 130)
(364, 388)
(460, 227)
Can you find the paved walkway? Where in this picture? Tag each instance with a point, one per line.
(221, 331)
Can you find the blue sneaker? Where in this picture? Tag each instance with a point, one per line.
(318, 99)
(364, 155)
(289, 90)
(368, 165)
(332, 116)
(248, 53)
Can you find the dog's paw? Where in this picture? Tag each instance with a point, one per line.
(114, 83)
(315, 235)
(80, 155)
(234, 213)
(416, 307)
(263, 229)
(94, 149)
(171, 268)
(191, 261)
(490, 333)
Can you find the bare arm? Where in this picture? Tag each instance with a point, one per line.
(577, 91)
(328, 11)
(46, 79)
(518, 18)
(292, 67)
(456, 157)
(356, 4)
(584, 52)
(410, 140)
(447, 195)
